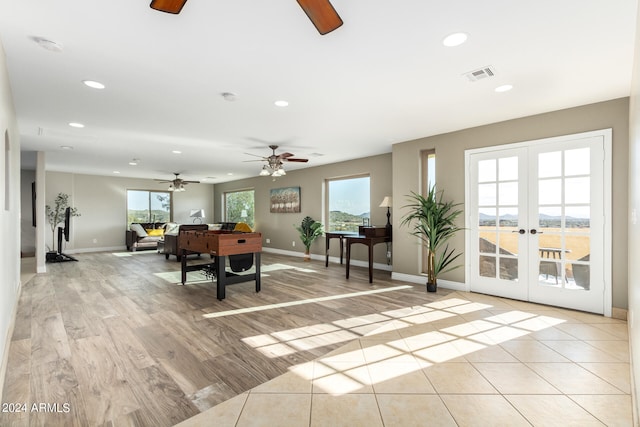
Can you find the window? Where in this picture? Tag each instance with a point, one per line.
(239, 207)
(428, 158)
(148, 206)
(348, 200)
(428, 175)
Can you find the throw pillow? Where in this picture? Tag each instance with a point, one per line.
(242, 227)
(155, 232)
(172, 228)
(138, 229)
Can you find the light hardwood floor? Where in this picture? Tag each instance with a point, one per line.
(114, 340)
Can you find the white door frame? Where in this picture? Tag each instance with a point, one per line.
(607, 171)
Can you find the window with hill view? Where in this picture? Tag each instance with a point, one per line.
(239, 206)
(148, 206)
(349, 203)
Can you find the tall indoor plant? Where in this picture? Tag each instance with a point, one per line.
(55, 214)
(309, 230)
(434, 221)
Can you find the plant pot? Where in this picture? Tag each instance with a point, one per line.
(307, 256)
(432, 287)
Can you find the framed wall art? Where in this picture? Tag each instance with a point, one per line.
(285, 200)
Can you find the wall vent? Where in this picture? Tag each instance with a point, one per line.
(481, 73)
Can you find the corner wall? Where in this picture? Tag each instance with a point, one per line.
(9, 217)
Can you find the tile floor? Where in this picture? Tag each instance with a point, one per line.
(465, 360)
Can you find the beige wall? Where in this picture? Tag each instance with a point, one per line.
(279, 227)
(102, 203)
(450, 175)
(634, 224)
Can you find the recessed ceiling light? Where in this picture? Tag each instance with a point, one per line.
(76, 125)
(116, 172)
(281, 103)
(229, 96)
(230, 174)
(503, 88)
(93, 84)
(66, 147)
(455, 39)
(134, 162)
(177, 152)
(50, 45)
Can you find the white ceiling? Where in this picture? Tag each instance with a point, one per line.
(384, 77)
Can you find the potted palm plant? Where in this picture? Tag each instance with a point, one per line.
(309, 230)
(434, 221)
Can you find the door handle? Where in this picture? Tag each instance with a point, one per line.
(521, 231)
(534, 231)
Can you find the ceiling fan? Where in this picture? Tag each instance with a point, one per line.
(320, 12)
(177, 184)
(275, 166)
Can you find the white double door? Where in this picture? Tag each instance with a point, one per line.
(536, 221)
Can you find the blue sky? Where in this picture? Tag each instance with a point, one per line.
(350, 195)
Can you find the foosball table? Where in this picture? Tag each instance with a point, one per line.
(242, 249)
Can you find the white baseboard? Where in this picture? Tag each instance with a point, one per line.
(422, 280)
(334, 260)
(89, 250)
(7, 340)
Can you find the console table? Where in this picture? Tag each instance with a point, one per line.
(369, 236)
(328, 235)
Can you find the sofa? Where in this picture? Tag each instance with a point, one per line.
(144, 235)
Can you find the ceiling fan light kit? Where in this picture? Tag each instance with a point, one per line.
(178, 183)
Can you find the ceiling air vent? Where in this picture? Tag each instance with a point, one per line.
(481, 73)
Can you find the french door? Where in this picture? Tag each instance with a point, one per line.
(536, 221)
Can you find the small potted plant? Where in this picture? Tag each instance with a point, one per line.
(309, 230)
(434, 222)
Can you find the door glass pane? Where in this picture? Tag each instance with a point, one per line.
(487, 170)
(577, 190)
(577, 247)
(487, 243)
(577, 162)
(578, 276)
(549, 164)
(487, 266)
(549, 217)
(487, 194)
(550, 273)
(508, 218)
(550, 191)
(508, 169)
(578, 217)
(508, 193)
(487, 217)
(508, 268)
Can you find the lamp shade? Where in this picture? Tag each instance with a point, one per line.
(197, 213)
(387, 202)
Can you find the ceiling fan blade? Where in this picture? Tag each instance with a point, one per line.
(191, 182)
(163, 180)
(293, 159)
(285, 155)
(322, 14)
(169, 6)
